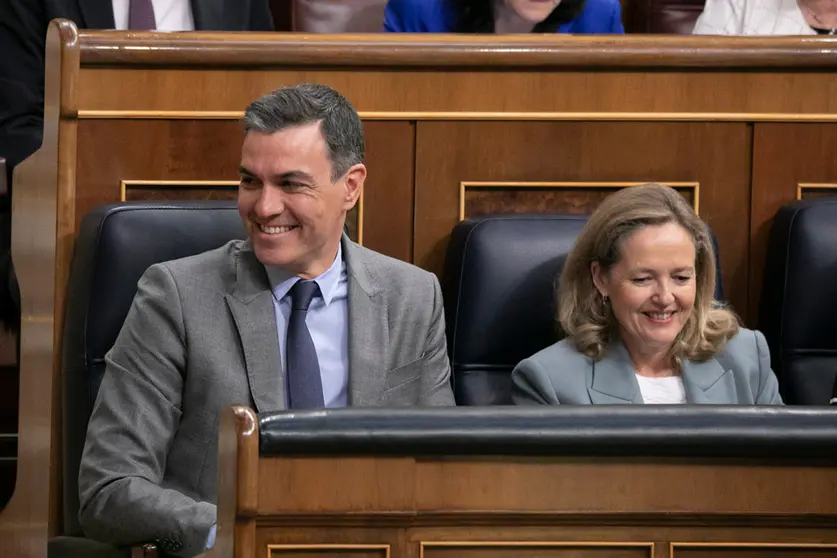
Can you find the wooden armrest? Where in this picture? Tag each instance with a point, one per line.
(4, 187)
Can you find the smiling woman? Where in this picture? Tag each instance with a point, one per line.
(636, 301)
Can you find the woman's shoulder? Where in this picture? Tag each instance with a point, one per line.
(744, 349)
(599, 16)
(744, 341)
(563, 352)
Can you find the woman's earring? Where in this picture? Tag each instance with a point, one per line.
(605, 300)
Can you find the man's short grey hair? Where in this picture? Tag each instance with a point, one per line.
(297, 105)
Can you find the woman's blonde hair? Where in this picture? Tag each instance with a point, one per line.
(586, 317)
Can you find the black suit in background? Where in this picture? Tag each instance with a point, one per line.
(23, 28)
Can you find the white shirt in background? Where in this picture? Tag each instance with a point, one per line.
(662, 391)
(752, 17)
(170, 15)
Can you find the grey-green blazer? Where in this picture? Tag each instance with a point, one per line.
(560, 375)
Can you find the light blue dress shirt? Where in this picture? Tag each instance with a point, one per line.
(327, 321)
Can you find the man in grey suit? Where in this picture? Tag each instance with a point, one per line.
(298, 316)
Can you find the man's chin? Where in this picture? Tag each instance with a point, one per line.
(272, 256)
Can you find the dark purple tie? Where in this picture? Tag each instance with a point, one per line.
(305, 386)
(141, 16)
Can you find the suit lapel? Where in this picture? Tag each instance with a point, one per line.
(612, 379)
(709, 383)
(251, 304)
(368, 330)
(97, 14)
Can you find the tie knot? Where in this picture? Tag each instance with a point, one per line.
(302, 293)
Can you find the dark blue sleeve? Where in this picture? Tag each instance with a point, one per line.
(397, 17)
(616, 19)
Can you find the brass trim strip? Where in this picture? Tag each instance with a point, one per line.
(752, 545)
(535, 544)
(464, 185)
(801, 186)
(280, 547)
(487, 116)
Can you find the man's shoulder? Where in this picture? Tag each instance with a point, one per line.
(386, 271)
(208, 267)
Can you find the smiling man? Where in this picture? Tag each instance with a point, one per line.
(296, 317)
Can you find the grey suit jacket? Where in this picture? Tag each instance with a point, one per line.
(201, 335)
(560, 375)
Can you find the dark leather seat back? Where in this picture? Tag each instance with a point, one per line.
(114, 247)
(798, 310)
(499, 289)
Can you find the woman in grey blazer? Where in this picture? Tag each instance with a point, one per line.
(635, 300)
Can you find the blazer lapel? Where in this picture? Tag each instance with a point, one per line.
(708, 383)
(368, 330)
(612, 378)
(97, 14)
(251, 304)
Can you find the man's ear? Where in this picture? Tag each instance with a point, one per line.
(599, 279)
(355, 177)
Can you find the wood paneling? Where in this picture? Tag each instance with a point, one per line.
(327, 551)
(167, 192)
(715, 155)
(743, 550)
(559, 198)
(389, 189)
(535, 550)
(461, 89)
(806, 152)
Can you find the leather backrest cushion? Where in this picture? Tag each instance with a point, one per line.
(114, 247)
(704, 431)
(798, 308)
(500, 274)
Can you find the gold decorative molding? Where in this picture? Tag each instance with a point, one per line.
(481, 115)
(279, 548)
(125, 185)
(802, 186)
(423, 545)
(473, 185)
(674, 546)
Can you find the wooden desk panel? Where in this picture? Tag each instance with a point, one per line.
(514, 506)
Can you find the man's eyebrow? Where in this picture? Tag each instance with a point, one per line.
(244, 170)
(295, 175)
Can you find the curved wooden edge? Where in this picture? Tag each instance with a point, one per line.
(41, 256)
(4, 187)
(238, 474)
(203, 49)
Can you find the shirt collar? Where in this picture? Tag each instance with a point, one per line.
(281, 281)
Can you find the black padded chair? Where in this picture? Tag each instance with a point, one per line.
(798, 307)
(115, 245)
(499, 282)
